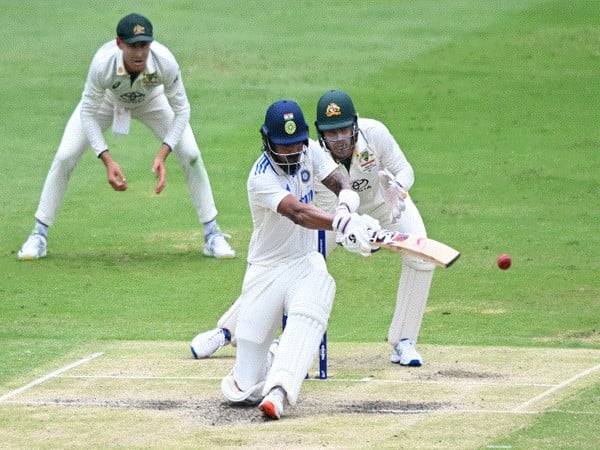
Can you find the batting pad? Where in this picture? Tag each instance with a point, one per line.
(308, 313)
(413, 292)
(233, 393)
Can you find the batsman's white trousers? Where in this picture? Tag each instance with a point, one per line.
(304, 290)
(156, 115)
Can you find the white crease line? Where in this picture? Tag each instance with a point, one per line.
(47, 377)
(556, 388)
(328, 380)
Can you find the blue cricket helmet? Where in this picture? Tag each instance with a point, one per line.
(285, 124)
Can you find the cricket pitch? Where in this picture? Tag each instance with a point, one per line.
(153, 394)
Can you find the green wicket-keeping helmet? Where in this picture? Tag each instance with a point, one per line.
(335, 110)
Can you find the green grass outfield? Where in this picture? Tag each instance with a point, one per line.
(495, 104)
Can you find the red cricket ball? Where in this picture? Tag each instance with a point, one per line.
(504, 261)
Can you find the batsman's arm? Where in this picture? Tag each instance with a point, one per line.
(304, 214)
(336, 181)
(339, 184)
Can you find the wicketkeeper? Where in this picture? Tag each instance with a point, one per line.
(135, 77)
(382, 176)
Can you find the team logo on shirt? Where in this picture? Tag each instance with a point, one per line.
(366, 160)
(150, 79)
(304, 175)
(138, 29)
(333, 110)
(290, 127)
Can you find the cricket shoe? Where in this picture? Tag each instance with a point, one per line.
(33, 248)
(272, 404)
(207, 343)
(406, 354)
(216, 245)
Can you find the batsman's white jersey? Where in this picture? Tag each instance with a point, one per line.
(285, 274)
(276, 237)
(156, 97)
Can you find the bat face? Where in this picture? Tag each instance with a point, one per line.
(426, 248)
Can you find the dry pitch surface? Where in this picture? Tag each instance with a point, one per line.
(154, 395)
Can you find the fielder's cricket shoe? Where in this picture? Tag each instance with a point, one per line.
(216, 245)
(205, 344)
(33, 248)
(272, 404)
(406, 354)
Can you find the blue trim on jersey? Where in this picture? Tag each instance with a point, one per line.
(262, 165)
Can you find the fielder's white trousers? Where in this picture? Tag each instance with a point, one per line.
(156, 115)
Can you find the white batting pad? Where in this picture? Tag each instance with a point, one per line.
(233, 393)
(308, 313)
(413, 292)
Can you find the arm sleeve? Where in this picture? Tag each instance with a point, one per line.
(177, 98)
(91, 99)
(393, 158)
(266, 192)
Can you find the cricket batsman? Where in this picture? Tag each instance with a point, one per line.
(131, 77)
(380, 174)
(285, 273)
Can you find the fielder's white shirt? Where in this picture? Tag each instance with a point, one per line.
(376, 149)
(108, 80)
(276, 238)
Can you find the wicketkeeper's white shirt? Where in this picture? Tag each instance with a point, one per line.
(376, 149)
(276, 238)
(108, 80)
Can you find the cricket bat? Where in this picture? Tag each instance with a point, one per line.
(429, 249)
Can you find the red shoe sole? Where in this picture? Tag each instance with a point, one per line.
(268, 409)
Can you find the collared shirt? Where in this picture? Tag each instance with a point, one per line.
(276, 238)
(375, 150)
(108, 80)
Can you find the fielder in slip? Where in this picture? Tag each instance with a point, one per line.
(379, 172)
(285, 273)
(130, 77)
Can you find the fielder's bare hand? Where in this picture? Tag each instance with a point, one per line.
(160, 169)
(113, 172)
